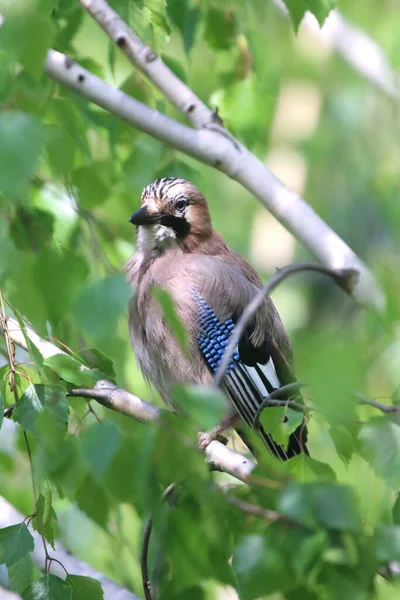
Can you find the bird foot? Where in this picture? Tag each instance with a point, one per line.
(205, 438)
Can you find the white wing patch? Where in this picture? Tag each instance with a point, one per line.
(269, 372)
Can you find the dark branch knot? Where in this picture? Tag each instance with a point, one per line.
(150, 55)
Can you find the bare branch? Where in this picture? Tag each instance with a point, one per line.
(344, 277)
(46, 348)
(204, 144)
(145, 59)
(386, 408)
(253, 509)
(111, 396)
(112, 591)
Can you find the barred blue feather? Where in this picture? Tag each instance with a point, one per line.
(246, 385)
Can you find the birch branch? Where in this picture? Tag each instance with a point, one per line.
(112, 591)
(209, 143)
(115, 398)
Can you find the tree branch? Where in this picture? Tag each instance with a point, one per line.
(112, 591)
(211, 144)
(145, 59)
(386, 408)
(109, 395)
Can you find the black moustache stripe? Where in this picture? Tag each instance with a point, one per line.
(178, 224)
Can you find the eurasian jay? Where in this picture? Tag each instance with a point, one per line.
(179, 250)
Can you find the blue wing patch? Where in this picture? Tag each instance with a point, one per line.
(214, 336)
(246, 384)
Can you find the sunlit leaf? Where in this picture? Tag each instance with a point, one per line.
(328, 504)
(381, 447)
(47, 516)
(100, 305)
(206, 406)
(21, 141)
(48, 587)
(15, 543)
(84, 588)
(34, 400)
(99, 444)
(22, 573)
(72, 370)
(220, 29)
(280, 422)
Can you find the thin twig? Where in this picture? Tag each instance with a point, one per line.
(271, 400)
(144, 555)
(344, 277)
(253, 509)
(386, 408)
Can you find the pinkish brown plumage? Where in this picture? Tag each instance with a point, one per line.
(179, 251)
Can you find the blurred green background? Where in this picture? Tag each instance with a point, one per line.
(72, 174)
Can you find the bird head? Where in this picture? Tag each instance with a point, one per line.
(173, 213)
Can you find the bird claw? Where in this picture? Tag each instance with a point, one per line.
(205, 438)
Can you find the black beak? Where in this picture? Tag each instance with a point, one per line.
(143, 217)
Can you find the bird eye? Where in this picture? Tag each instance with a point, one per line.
(181, 205)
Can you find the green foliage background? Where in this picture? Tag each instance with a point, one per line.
(70, 176)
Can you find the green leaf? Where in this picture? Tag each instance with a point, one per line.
(331, 505)
(71, 370)
(34, 400)
(168, 309)
(15, 543)
(159, 22)
(60, 150)
(21, 141)
(99, 361)
(297, 10)
(58, 275)
(47, 516)
(220, 29)
(191, 24)
(206, 406)
(387, 540)
(99, 443)
(93, 189)
(59, 458)
(31, 229)
(306, 469)
(48, 587)
(84, 588)
(2, 406)
(91, 497)
(22, 573)
(260, 566)
(33, 350)
(380, 441)
(176, 67)
(186, 18)
(280, 422)
(319, 8)
(38, 38)
(101, 304)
